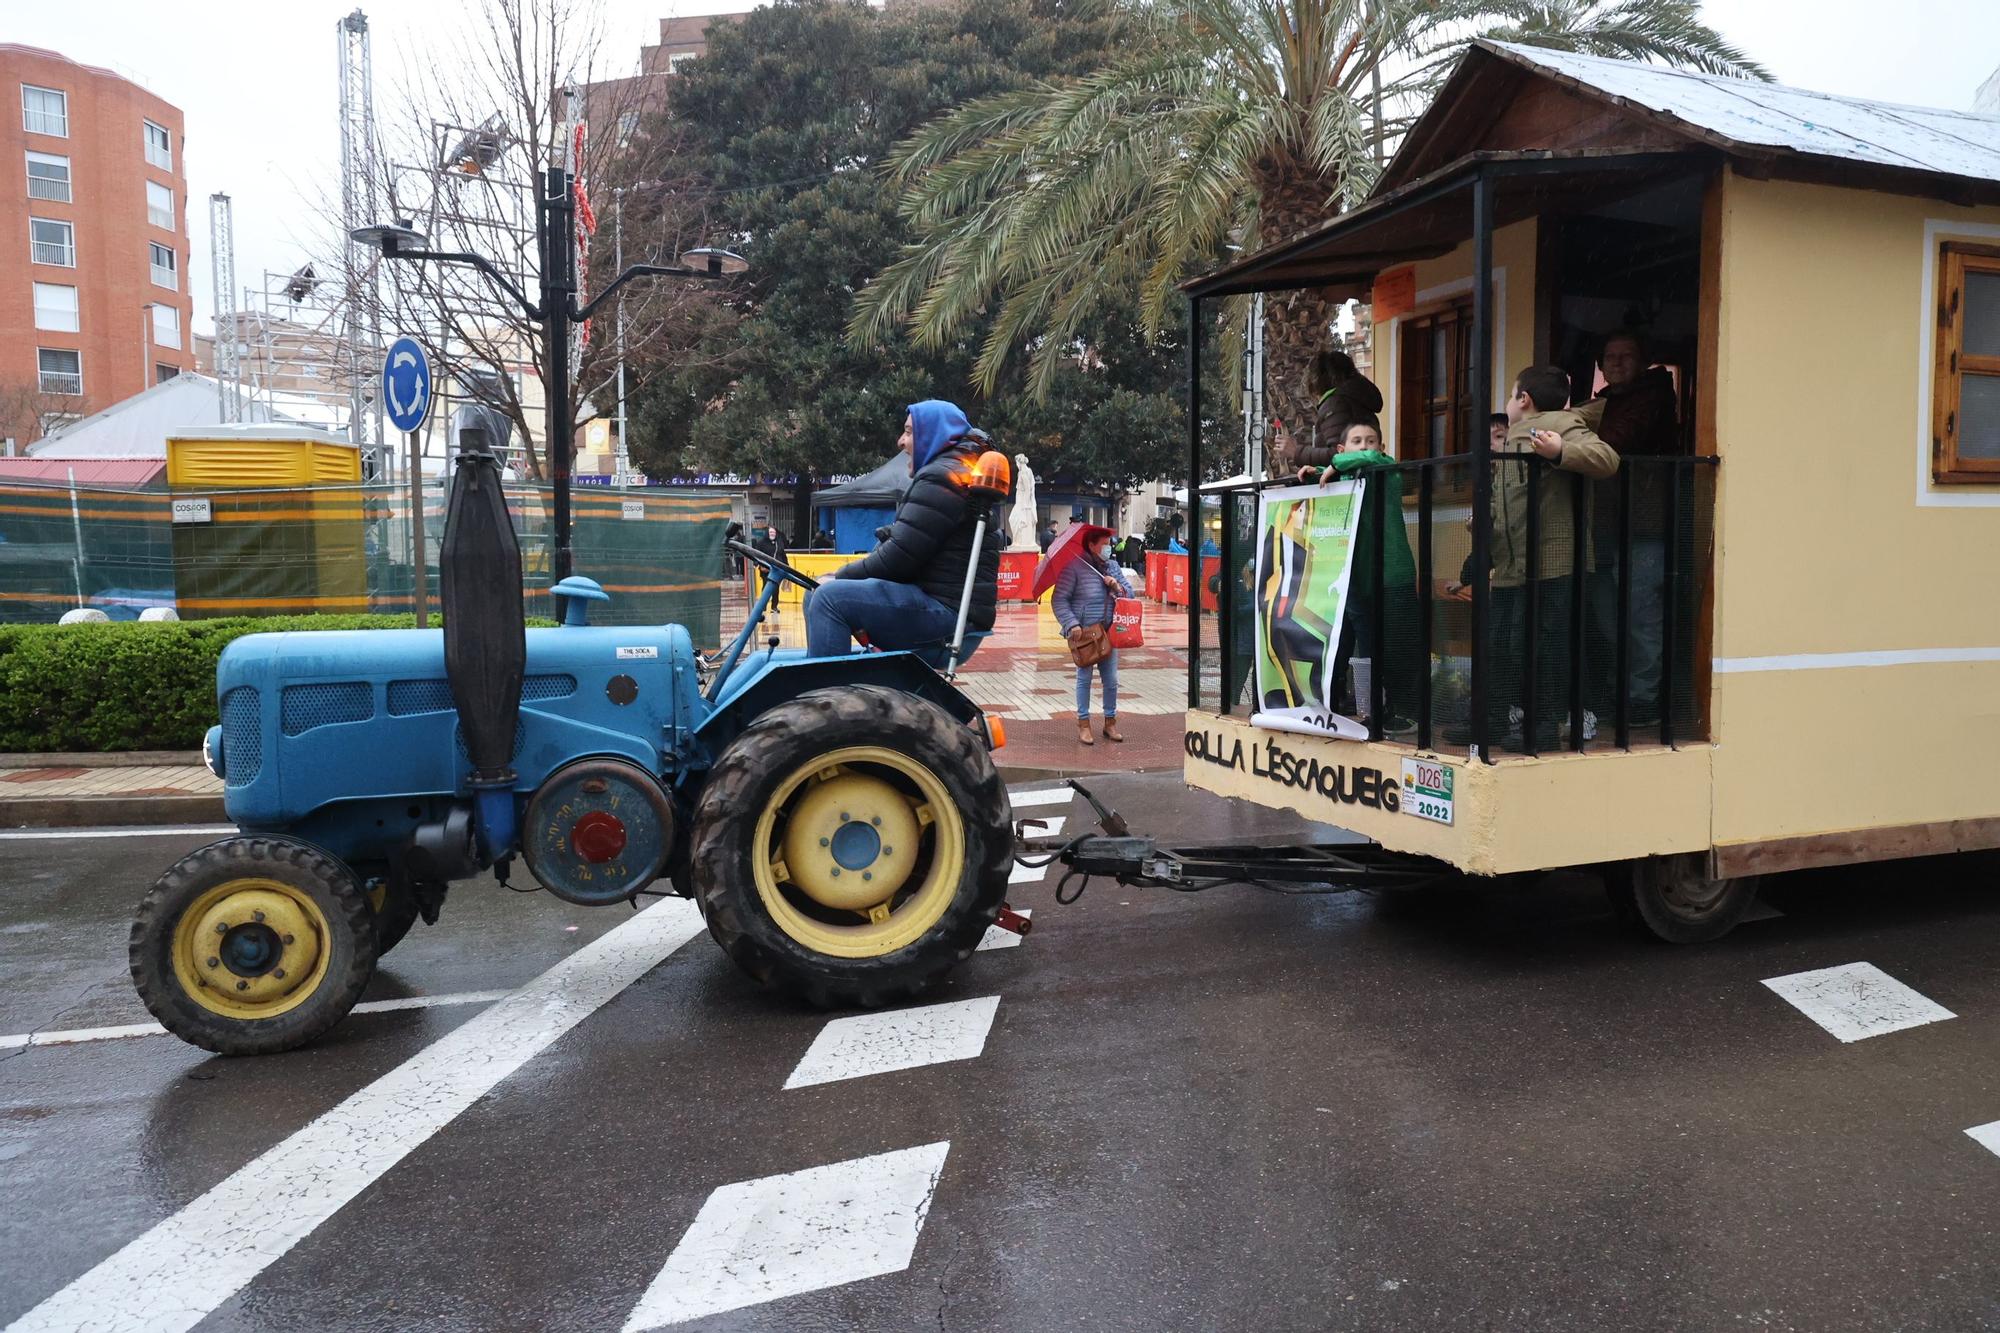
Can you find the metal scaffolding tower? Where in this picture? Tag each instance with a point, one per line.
(358, 189)
(228, 365)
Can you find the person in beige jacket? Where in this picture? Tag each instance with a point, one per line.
(1539, 424)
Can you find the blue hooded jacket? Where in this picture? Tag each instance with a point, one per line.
(934, 424)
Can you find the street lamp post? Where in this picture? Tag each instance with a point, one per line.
(556, 312)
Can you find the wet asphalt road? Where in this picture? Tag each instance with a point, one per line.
(1231, 1110)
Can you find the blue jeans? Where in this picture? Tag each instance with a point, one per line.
(1107, 671)
(894, 615)
(1649, 590)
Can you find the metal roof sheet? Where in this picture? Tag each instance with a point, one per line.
(1777, 117)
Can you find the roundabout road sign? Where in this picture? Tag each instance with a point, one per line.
(406, 384)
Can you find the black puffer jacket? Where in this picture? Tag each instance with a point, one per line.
(930, 542)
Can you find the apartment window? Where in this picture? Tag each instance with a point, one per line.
(44, 111)
(675, 64)
(628, 125)
(1965, 396)
(166, 326)
(164, 274)
(1434, 417)
(48, 177)
(159, 147)
(55, 307)
(163, 373)
(159, 205)
(61, 370)
(52, 242)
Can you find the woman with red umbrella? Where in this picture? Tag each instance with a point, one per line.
(1088, 584)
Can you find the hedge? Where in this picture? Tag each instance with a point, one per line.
(132, 685)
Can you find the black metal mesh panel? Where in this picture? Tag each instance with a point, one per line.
(305, 707)
(242, 736)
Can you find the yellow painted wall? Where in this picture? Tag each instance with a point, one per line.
(1828, 541)
(1524, 814)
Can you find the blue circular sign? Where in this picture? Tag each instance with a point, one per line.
(406, 384)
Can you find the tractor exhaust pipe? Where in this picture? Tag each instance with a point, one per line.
(485, 637)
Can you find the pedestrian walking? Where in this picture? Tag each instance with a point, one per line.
(1086, 594)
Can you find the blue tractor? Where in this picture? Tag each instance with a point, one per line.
(839, 820)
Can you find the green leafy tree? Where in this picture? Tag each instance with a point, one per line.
(783, 124)
(1224, 121)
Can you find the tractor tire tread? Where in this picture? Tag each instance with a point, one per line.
(726, 820)
(339, 896)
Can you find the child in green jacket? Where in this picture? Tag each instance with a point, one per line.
(1359, 453)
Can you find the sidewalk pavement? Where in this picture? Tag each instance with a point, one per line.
(1022, 674)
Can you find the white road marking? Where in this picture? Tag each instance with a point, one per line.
(1047, 796)
(150, 831)
(864, 1044)
(176, 1274)
(826, 1226)
(996, 938)
(1987, 1136)
(1857, 1000)
(78, 1036)
(1055, 826)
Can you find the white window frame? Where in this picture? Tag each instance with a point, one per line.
(73, 315)
(161, 154)
(171, 268)
(154, 215)
(27, 123)
(41, 374)
(69, 245)
(172, 336)
(48, 159)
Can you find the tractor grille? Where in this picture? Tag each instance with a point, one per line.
(520, 738)
(309, 706)
(410, 697)
(242, 736)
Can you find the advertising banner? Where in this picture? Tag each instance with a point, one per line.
(1305, 555)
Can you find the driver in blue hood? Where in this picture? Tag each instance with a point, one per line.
(904, 593)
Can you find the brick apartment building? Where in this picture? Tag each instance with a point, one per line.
(94, 294)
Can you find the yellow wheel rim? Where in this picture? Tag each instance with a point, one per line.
(251, 948)
(858, 852)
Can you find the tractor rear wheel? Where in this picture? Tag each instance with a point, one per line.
(253, 945)
(852, 846)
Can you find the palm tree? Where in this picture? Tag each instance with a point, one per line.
(1233, 122)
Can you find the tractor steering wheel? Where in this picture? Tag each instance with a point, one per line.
(771, 565)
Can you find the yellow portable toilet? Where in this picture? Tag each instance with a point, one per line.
(267, 520)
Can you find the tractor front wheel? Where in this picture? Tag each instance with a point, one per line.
(253, 945)
(852, 846)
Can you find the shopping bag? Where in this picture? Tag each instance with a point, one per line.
(1128, 623)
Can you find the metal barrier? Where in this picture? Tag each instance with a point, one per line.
(339, 550)
(1520, 657)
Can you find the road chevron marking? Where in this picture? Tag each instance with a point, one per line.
(826, 1226)
(183, 1269)
(1857, 1000)
(996, 938)
(882, 1043)
(1022, 800)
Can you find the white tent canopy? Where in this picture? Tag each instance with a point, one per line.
(139, 426)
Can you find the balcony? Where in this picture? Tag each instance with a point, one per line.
(1578, 625)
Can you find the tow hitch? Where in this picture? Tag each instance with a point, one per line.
(1141, 862)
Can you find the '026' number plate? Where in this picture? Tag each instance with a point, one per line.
(1427, 786)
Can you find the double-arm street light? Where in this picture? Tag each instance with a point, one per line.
(556, 311)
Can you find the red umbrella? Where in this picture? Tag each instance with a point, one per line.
(1062, 551)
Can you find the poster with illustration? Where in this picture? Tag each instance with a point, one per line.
(1305, 554)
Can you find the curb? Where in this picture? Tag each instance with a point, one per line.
(109, 811)
(93, 759)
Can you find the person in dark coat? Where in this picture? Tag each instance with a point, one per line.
(1342, 395)
(904, 593)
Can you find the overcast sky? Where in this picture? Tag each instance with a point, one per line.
(257, 80)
